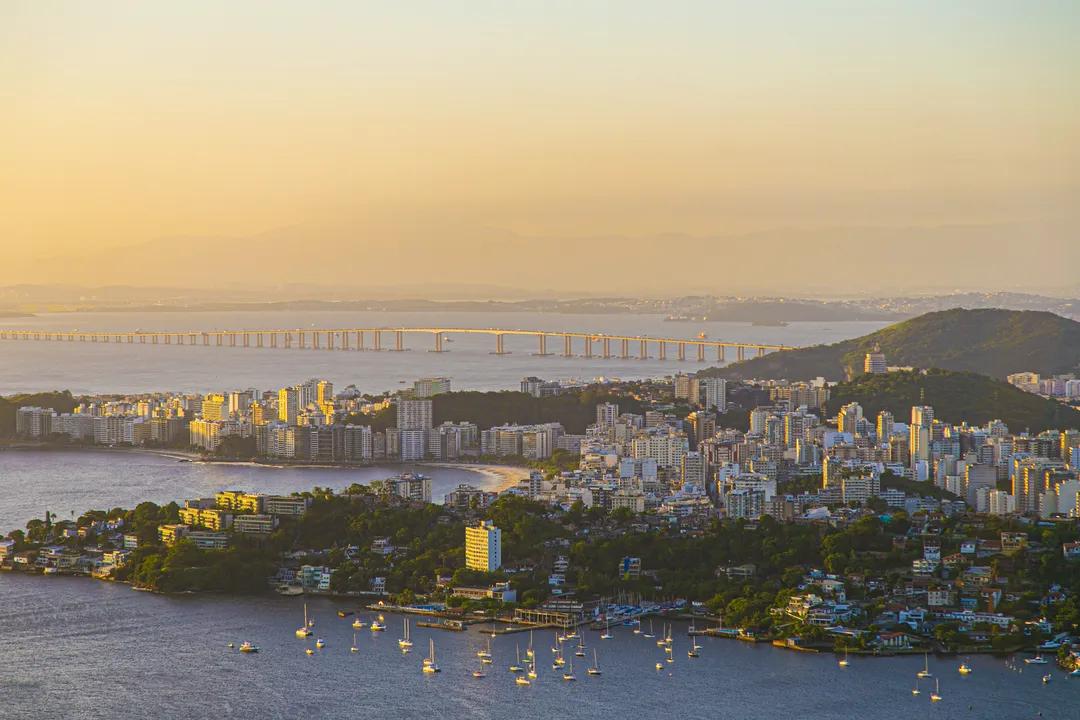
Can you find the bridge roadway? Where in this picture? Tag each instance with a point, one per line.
(594, 345)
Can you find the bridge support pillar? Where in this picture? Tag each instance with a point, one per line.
(500, 349)
(607, 348)
(288, 340)
(191, 338)
(760, 352)
(625, 354)
(258, 339)
(541, 339)
(438, 343)
(329, 339)
(315, 340)
(588, 347)
(568, 346)
(399, 341)
(644, 355)
(378, 340)
(663, 350)
(359, 340)
(741, 353)
(682, 351)
(344, 339)
(719, 353)
(247, 340)
(700, 353)
(273, 340)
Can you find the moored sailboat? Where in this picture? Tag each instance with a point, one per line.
(429, 662)
(305, 631)
(595, 669)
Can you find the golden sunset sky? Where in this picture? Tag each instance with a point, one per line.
(123, 122)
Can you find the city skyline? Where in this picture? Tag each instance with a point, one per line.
(139, 133)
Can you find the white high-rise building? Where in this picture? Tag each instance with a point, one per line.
(606, 414)
(483, 547)
(712, 393)
(426, 387)
(414, 415)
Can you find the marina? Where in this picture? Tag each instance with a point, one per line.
(201, 676)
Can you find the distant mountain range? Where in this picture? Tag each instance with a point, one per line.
(989, 342)
(384, 253)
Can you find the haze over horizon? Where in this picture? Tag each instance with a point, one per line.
(895, 145)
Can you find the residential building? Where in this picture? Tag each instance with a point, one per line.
(427, 387)
(483, 547)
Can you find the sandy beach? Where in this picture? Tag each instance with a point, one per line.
(505, 476)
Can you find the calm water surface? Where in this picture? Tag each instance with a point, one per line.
(76, 647)
(31, 481)
(98, 367)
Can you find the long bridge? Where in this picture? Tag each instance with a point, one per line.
(593, 345)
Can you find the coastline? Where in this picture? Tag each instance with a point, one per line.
(506, 476)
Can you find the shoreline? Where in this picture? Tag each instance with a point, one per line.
(506, 476)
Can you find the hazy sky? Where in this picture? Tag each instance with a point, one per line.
(121, 122)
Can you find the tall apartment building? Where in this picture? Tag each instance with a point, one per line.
(34, 422)
(875, 363)
(426, 387)
(483, 547)
(215, 407)
(414, 427)
(324, 393)
(712, 393)
(849, 417)
(694, 469)
(885, 422)
(288, 405)
(606, 414)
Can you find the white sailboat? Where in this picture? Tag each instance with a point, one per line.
(580, 652)
(405, 642)
(429, 663)
(569, 674)
(595, 669)
(936, 695)
(670, 653)
(320, 643)
(305, 631)
(844, 662)
(529, 650)
(925, 672)
(650, 633)
(516, 667)
(353, 648)
(485, 654)
(916, 691)
(693, 651)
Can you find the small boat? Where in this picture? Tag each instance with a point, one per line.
(479, 673)
(569, 674)
(320, 644)
(693, 651)
(560, 661)
(607, 636)
(844, 662)
(405, 641)
(595, 669)
(230, 646)
(429, 663)
(571, 636)
(485, 654)
(304, 631)
(580, 652)
(377, 626)
(344, 613)
(925, 672)
(353, 648)
(916, 691)
(1037, 660)
(309, 651)
(1046, 678)
(358, 623)
(532, 670)
(964, 669)
(522, 680)
(659, 666)
(936, 695)
(529, 650)
(516, 667)
(1075, 673)
(247, 647)
(485, 661)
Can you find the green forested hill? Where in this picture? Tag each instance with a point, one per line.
(956, 397)
(989, 342)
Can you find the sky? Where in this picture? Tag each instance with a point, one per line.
(127, 122)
